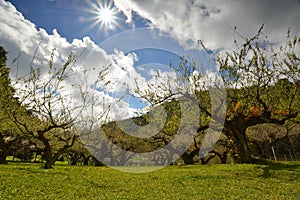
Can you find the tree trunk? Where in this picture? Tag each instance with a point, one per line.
(205, 161)
(223, 157)
(97, 162)
(50, 160)
(85, 159)
(49, 163)
(188, 158)
(3, 151)
(3, 158)
(72, 158)
(236, 128)
(273, 152)
(244, 151)
(242, 146)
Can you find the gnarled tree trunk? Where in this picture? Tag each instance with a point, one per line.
(237, 130)
(242, 147)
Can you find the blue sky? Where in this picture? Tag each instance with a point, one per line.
(72, 20)
(65, 16)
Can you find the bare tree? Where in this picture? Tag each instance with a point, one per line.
(52, 112)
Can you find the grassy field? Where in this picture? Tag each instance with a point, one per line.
(271, 181)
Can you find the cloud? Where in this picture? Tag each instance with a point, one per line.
(33, 48)
(212, 21)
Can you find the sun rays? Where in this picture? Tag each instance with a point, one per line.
(104, 15)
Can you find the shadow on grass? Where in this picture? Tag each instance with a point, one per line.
(31, 167)
(269, 166)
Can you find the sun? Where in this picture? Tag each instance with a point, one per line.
(107, 16)
(104, 15)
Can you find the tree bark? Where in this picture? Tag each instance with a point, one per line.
(50, 160)
(237, 129)
(85, 159)
(49, 164)
(3, 151)
(243, 148)
(222, 156)
(205, 161)
(188, 158)
(97, 162)
(3, 157)
(273, 152)
(73, 158)
(51, 156)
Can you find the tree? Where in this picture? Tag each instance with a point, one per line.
(78, 154)
(157, 136)
(266, 136)
(8, 132)
(262, 85)
(50, 114)
(21, 149)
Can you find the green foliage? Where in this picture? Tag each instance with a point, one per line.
(6, 90)
(261, 80)
(262, 86)
(44, 113)
(265, 181)
(135, 144)
(9, 133)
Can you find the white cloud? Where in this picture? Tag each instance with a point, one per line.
(210, 21)
(33, 47)
(126, 76)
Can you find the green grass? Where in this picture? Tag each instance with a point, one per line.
(271, 181)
